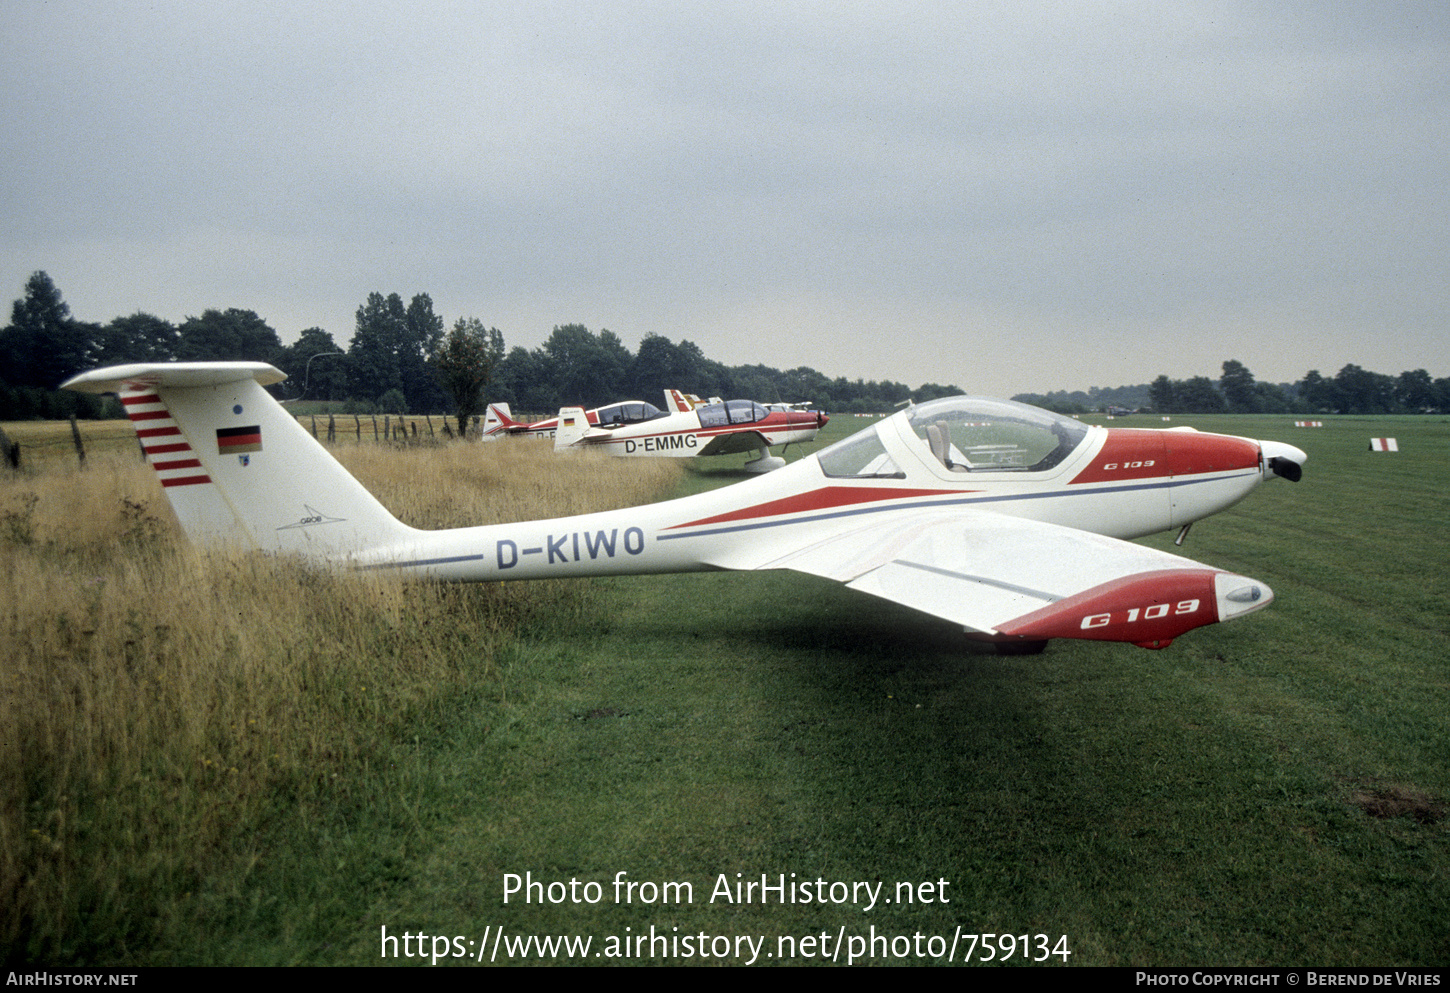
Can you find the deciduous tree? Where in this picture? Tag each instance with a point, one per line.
(1416, 392)
(316, 368)
(382, 327)
(227, 335)
(1198, 396)
(1163, 396)
(422, 339)
(138, 338)
(1239, 389)
(463, 362)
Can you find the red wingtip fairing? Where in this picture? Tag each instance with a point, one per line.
(1148, 610)
(1152, 607)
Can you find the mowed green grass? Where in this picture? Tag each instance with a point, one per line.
(1268, 791)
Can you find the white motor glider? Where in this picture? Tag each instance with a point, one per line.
(687, 429)
(1000, 517)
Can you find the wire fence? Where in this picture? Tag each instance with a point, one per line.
(326, 428)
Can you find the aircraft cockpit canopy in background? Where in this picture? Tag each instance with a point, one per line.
(714, 415)
(630, 412)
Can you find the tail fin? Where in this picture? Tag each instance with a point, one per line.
(679, 403)
(573, 426)
(236, 467)
(497, 421)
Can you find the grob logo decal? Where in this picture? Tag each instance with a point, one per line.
(312, 518)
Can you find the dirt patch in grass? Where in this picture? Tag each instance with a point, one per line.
(1397, 801)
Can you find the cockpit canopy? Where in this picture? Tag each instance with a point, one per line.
(971, 434)
(629, 412)
(964, 434)
(714, 415)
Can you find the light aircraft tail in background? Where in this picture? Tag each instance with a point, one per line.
(680, 403)
(498, 422)
(1002, 518)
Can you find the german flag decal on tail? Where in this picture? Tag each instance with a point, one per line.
(238, 441)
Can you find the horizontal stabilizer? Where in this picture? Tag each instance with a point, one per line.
(157, 375)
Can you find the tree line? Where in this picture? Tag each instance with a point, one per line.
(394, 363)
(399, 360)
(577, 366)
(1353, 390)
(402, 360)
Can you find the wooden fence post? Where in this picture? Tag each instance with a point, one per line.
(331, 429)
(75, 436)
(10, 450)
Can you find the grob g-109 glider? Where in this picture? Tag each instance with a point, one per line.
(1000, 517)
(686, 430)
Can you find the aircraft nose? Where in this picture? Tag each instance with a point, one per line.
(1283, 460)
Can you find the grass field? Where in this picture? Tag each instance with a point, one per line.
(1268, 791)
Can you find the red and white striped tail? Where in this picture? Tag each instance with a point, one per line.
(166, 448)
(199, 507)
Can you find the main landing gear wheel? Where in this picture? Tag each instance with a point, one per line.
(765, 462)
(1020, 647)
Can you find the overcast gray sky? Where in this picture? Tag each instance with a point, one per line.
(1015, 196)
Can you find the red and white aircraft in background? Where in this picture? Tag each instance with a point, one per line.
(498, 421)
(1007, 520)
(688, 429)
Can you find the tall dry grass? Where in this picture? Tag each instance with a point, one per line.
(515, 479)
(161, 706)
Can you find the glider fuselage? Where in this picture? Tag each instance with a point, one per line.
(1122, 483)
